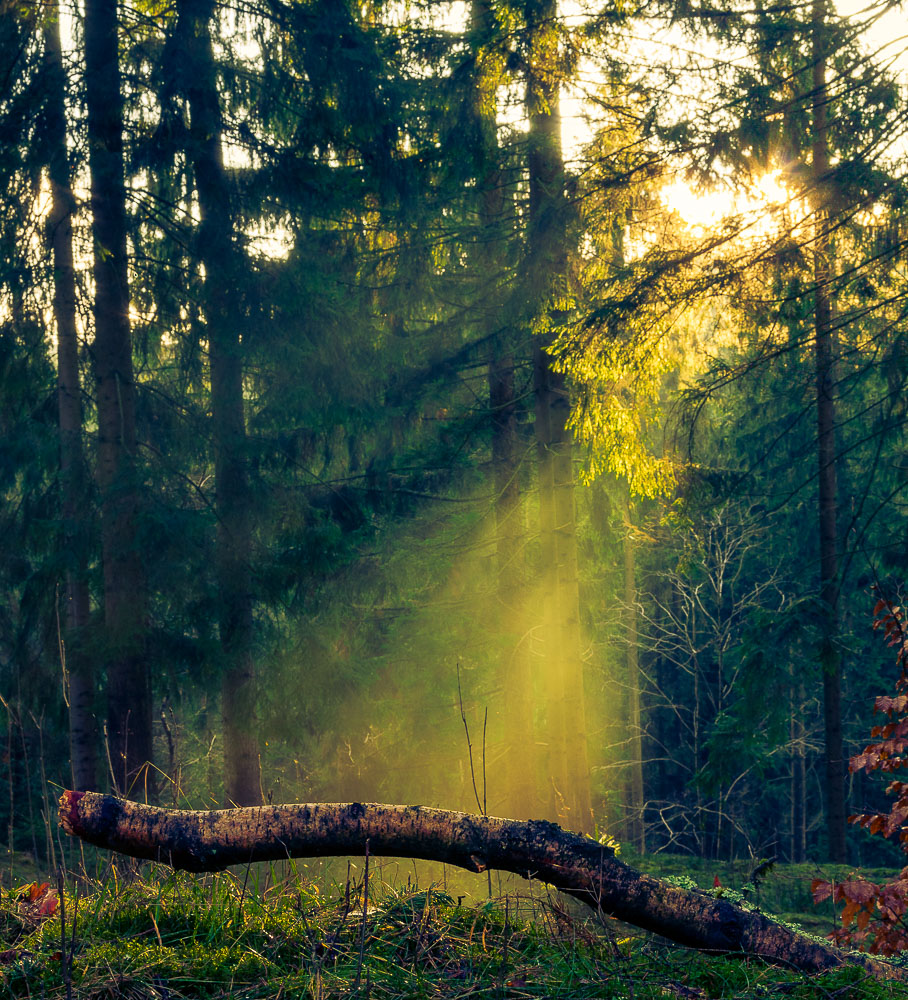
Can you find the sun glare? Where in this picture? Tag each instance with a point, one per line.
(756, 204)
(699, 209)
(771, 189)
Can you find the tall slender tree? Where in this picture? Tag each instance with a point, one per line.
(75, 503)
(129, 727)
(224, 277)
(634, 796)
(830, 658)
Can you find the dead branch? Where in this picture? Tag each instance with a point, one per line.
(577, 865)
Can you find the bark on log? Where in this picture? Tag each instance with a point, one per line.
(579, 866)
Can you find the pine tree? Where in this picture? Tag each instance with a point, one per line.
(125, 599)
(830, 658)
(75, 509)
(224, 310)
(798, 123)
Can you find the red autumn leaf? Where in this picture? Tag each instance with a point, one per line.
(848, 914)
(821, 890)
(39, 900)
(891, 906)
(858, 891)
(37, 889)
(889, 705)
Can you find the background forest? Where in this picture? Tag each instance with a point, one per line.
(373, 385)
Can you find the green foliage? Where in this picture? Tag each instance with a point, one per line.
(378, 173)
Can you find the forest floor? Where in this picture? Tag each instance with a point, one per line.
(143, 932)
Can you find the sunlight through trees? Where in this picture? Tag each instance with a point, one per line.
(383, 378)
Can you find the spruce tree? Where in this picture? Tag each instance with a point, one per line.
(118, 474)
(75, 502)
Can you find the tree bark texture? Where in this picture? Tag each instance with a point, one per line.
(577, 865)
(559, 630)
(73, 474)
(128, 682)
(223, 314)
(830, 658)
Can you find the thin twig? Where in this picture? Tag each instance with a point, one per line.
(47, 812)
(485, 808)
(61, 646)
(72, 935)
(362, 933)
(485, 725)
(466, 728)
(110, 767)
(65, 966)
(12, 811)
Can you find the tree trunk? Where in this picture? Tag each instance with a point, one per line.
(561, 659)
(798, 738)
(830, 658)
(128, 683)
(577, 865)
(82, 728)
(635, 797)
(223, 313)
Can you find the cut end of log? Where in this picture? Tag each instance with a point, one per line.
(69, 811)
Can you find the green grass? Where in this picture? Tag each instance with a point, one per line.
(784, 891)
(153, 934)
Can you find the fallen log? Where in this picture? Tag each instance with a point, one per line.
(577, 865)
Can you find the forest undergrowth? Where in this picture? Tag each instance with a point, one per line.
(143, 932)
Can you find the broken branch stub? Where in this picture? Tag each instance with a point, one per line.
(206, 841)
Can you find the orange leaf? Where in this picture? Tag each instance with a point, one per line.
(35, 890)
(848, 914)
